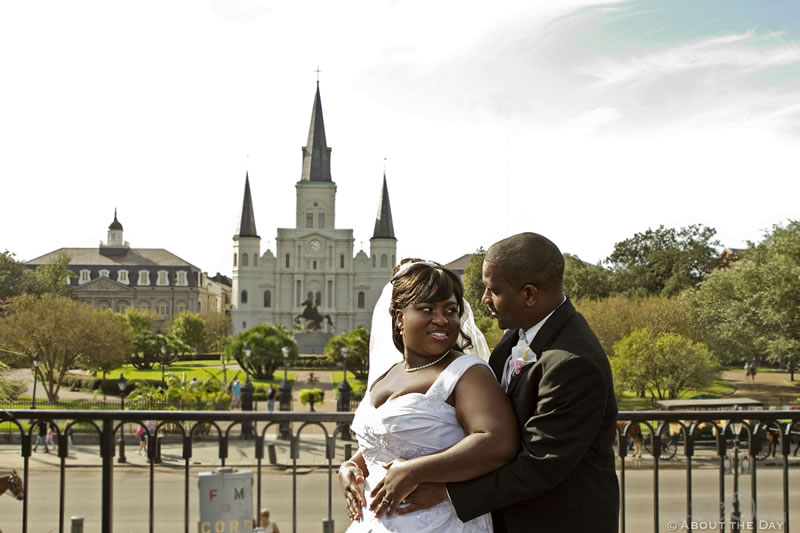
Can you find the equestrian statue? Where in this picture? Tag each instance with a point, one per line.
(313, 318)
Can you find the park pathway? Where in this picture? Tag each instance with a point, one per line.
(769, 386)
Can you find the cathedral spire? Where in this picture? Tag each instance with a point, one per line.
(384, 228)
(316, 154)
(247, 225)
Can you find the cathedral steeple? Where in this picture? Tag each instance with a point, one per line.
(247, 225)
(316, 154)
(384, 228)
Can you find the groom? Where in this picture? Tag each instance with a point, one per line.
(559, 381)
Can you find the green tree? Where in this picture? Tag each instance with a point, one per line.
(613, 318)
(189, 328)
(146, 343)
(751, 309)
(266, 344)
(9, 388)
(664, 261)
(218, 330)
(662, 365)
(473, 284)
(357, 341)
(584, 280)
(17, 279)
(65, 333)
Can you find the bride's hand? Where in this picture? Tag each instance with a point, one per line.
(351, 479)
(392, 490)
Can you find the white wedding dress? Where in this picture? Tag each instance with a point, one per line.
(410, 426)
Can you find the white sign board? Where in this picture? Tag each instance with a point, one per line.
(226, 501)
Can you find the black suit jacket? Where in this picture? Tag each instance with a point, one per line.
(563, 478)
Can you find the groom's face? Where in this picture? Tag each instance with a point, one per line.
(506, 303)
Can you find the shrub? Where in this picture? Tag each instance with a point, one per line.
(312, 397)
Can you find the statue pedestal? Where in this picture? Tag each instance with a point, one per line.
(312, 342)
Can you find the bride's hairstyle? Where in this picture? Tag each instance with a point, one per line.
(416, 280)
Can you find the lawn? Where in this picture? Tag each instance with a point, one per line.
(202, 370)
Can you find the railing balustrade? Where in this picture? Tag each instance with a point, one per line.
(726, 440)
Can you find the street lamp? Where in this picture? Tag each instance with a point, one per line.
(247, 391)
(36, 361)
(344, 394)
(736, 516)
(285, 400)
(163, 360)
(122, 383)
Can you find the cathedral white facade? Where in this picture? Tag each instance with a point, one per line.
(315, 267)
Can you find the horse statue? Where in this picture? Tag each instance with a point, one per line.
(12, 482)
(312, 316)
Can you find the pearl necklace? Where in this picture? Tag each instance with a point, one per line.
(426, 365)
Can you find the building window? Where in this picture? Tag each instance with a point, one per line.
(244, 325)
(163, 278)
(144, 305)
(180, 307)
(84, 276)
(341, 261)
(329, 302)
(315, 265)
(299, 295)
(199, 306)
(255, 260)
(244, 297)
(384, 261)
(267, 299)
(361, 300)
(287, 260)
(321, 220)
(234, 258)
(122, 276)
(162, 308)
(104, 273)
(103, 305)
(144, 277)
(393, 263)
(309, 220)
(67, 281)
(318, 298)
(122, 306)
(374, 259)
(244, 260)
(182, 279)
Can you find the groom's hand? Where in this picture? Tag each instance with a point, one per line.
(425, 496)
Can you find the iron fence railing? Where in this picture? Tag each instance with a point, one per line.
(721, 440)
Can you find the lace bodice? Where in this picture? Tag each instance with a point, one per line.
(409, 426)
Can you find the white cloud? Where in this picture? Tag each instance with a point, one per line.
(590, 121)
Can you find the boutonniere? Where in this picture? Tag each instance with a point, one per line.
(517, 364)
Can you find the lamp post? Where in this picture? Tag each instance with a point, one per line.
(285, 400)
(163, 360)
(247, 390)
(122, 383)
(736, 516)
(36, 361)
(344, 394)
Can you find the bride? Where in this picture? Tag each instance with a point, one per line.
(430, 413)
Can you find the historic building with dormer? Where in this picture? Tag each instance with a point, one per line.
(115, 276)
(315, 268)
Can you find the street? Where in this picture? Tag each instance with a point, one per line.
(131, 504)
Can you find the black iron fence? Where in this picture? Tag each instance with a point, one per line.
(725, 441)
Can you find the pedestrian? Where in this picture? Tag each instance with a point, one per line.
(271, 393)
(41, 437)
(266, 524)
(49, 438)
(236, 394)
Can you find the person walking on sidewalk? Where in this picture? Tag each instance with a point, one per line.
(271, 393)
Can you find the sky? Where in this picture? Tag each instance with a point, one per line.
(584, 121)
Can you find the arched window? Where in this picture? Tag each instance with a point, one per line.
(244, 260)
(384, 261)
(361, 300)
(244, 297)
(314, 265)
(234, 258)
(341, 261)
(255, 260)
(321, 220)
(318, 298)
(267, 299)
(287, 260)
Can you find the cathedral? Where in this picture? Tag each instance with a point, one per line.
(315, 278)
